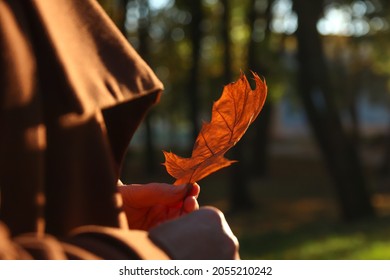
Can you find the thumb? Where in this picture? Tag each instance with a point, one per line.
(148, 195)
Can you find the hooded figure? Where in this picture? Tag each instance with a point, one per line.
(72, 93)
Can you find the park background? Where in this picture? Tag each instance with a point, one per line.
(313, 177)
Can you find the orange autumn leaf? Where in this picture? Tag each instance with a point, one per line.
(231, 116)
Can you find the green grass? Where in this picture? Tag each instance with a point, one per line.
(296, 214)
(362, 240)
(297, 217)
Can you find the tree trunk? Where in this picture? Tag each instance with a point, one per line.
(339, 151)
(261, 134)
(240, 198)
(193, 81)
(122, 16)
(144, 51)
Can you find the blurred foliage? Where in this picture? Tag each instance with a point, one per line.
(359, 241)
(171, 51)
(355, 38)
(348, 53)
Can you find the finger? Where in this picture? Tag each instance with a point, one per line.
(152, 194)
(192, 191)
(195, 190)
(190, 204)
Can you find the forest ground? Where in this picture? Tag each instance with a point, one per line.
(296, 212)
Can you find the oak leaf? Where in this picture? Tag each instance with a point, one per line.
(231, 116)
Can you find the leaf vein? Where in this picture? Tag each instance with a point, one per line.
(224, 119)
(205, 142)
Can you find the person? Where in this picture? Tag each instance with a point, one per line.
(72, 93)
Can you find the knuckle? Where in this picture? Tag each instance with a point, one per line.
(212, 213)
(230, 247)
(228, 241)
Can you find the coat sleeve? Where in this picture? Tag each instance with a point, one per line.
(85, 243)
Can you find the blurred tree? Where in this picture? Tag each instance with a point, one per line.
(340, 152)
(240, 198)
(195, 7)
(382, 67)
(117, 12)
(144, 51)
(256, 52)
(120, 17)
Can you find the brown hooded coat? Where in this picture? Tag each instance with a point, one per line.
(72, 93)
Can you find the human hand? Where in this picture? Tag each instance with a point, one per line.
(150, 204)
(203, 234)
